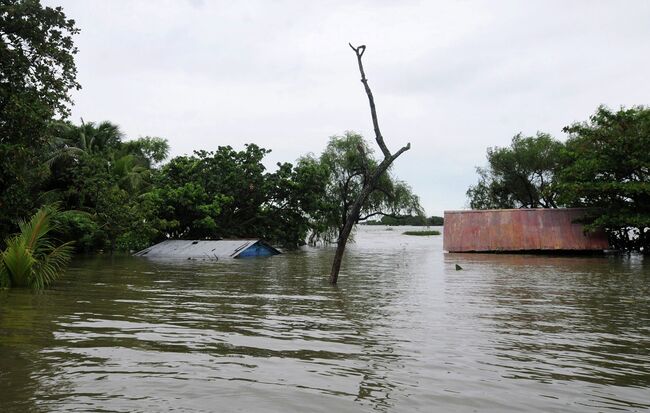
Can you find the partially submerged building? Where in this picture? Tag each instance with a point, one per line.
(209, 249)
(520, 230)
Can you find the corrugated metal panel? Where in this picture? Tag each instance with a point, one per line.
(519, 230)
(203, 249)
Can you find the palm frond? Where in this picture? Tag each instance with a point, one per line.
(51, 266)
(18, 262)
(37, 227)
(71, 152)
(31, 259)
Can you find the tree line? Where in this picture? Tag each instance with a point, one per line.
(122, 193)
(413, 220)
(604, 165)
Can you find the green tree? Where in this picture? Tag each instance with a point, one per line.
(608, 171)
(520, 175)
(295, 195)
(349, 164)
(229, 194)
(70, 141)
(31, 258)
(106, 140)
(93, 170)
(213, 194)
(37, 71)
(151, 150)
(130, 162)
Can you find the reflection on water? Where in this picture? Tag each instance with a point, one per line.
(403, 331)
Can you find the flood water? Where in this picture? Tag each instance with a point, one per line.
(404, 331)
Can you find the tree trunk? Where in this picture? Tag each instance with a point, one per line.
(371, 184)
(345, 233)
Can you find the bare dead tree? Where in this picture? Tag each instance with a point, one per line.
(371, 183)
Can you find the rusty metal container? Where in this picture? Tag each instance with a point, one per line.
(517, 230)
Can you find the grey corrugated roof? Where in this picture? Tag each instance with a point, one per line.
(200, 249)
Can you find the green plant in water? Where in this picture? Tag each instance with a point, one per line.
(31, 259)
(422, 233)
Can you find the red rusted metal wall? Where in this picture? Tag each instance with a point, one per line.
(519, 230)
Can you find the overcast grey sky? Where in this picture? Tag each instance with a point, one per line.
(452, 77)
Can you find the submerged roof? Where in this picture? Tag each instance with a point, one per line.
(209, 249)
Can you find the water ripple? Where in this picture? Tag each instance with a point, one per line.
(404, 331)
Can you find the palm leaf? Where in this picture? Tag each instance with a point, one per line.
(31, 259)
(37, 227)
(63, 153)
(18, 262)
(52, 265)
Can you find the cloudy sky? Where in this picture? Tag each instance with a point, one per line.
(452, 77)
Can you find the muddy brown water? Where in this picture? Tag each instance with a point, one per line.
(404, 331)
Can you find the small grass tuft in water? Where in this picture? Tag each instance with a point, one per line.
(422, 233)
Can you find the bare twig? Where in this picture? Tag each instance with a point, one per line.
(373, 110)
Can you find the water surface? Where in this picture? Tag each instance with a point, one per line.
(403, 331)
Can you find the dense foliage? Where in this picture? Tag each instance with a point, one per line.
(229, 194)
(126, 200)
(37, 71)
(91, 169)
(608, 170)
(604, 165)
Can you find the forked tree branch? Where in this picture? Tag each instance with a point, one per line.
(373, 110)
